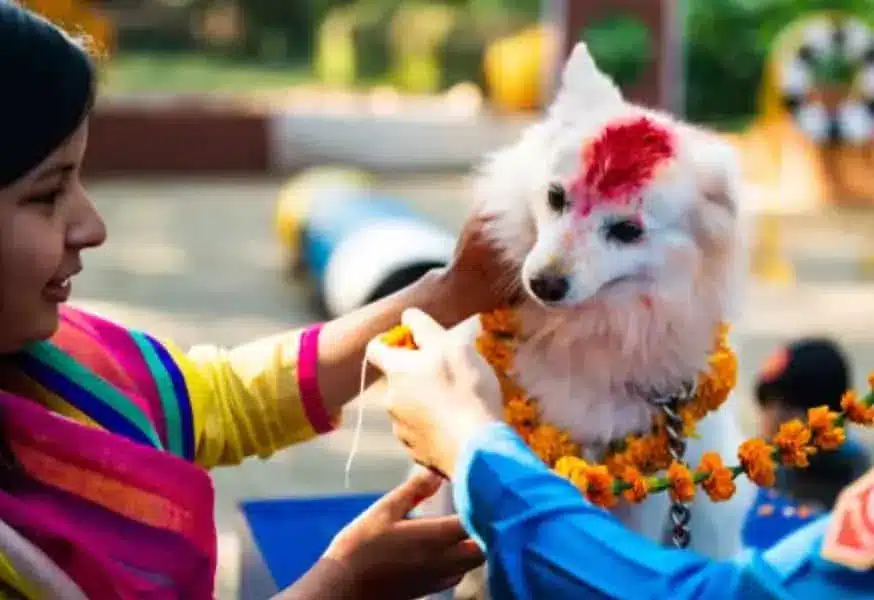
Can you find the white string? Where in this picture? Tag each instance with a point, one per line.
(359, 425)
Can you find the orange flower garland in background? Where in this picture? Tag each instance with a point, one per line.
(641, 465)
(79, 17)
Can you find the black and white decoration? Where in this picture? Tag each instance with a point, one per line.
(852, 120)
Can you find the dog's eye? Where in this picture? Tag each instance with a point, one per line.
(626, 231)
(557, 197)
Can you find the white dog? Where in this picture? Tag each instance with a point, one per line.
(624, 225)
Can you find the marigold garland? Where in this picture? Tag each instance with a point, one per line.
(641, 465)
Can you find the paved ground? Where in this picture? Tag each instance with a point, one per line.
(198, 261)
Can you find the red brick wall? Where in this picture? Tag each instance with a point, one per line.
(176, 139)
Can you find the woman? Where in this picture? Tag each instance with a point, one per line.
(543, 539)
(107, 433)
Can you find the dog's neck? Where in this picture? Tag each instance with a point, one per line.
(594, 370)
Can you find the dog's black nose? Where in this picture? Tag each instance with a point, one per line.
(550, 288)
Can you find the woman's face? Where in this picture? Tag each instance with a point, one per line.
(46, 220)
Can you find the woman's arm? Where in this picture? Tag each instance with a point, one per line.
(266, 395)
(343, 341)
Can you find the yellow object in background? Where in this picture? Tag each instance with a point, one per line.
(769, 260)
(295, 198)
(515, 69)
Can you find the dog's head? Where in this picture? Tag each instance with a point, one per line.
(605, 200)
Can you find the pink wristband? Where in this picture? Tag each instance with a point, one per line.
(308, 380)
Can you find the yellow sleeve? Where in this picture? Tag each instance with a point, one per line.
(247, 401)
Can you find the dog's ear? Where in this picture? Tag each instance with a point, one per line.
(718, 175)
(584, 88)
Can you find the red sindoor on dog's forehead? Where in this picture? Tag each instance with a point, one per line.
(620, 162)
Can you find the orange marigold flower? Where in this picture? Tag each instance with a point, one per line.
(826, 434)
(593, 480)
(682, 484)
(399, 337)
(639, 488)
(793, 442)
(659, 452)
(871, 380)
(600, 491)
(757, 459)
(510, 388)
(550, 443)
(719, 484)
(502, 321)
(715, 387)
(520, 412)
(616, 463)
(856, 410)
(497, 352)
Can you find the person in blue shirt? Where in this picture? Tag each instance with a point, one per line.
(543, 539)
(808, 372)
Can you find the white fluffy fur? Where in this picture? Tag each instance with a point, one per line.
(582, 353)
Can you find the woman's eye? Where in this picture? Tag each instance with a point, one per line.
(557, 197)
(49, 197)
(626, 231)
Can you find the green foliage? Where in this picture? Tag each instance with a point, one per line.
(621, 45)
(727, 44)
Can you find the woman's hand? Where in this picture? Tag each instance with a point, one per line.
(439, 395)
(476, 281)
(387, 556)
(478, 278)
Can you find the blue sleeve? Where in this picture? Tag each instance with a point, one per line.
(544, 540)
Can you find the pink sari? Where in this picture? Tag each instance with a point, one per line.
(124, 520)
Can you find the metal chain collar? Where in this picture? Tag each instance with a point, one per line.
(669, 407)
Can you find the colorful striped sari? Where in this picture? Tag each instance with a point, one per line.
(116, 502)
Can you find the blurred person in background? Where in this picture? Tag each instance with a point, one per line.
(808, 372)
(107, 434)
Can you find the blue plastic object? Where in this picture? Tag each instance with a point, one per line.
(291, 534)
(359, 245)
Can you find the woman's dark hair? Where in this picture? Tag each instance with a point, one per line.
(48, 82)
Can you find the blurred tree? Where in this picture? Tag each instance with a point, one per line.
(621, 46)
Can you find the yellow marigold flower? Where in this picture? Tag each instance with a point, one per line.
(856, 410)
(574, 469)
(793, 442)
(399, 337)
(497, 353)
(826, 434)
(639, 489)
(502, 321)
(690, 421)
(550, 443)
(719, 484)
(871, 380)
(757, 459)
(600, 491)
(682, 484)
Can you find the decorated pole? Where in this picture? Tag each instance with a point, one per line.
(659, 85)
